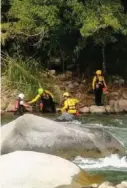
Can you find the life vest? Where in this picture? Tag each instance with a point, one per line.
(17, 103)
(46, 95)
(19, 108)
(71, 103)
(99, 81)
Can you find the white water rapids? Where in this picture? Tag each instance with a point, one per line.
(113, 162)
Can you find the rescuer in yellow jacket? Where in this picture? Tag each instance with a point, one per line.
(98, 85)
(69, 104)
(46, 100)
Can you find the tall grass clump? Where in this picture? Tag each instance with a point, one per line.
(25, 75)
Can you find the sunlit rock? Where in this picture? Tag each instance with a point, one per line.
(27, 169)
(97, 109)
(30, 132)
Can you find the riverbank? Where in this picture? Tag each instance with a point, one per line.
(114, 102)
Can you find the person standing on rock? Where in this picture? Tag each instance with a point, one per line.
(98, 86)
(69, 104)
(46, 100)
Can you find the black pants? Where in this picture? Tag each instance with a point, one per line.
(48, 105)
(20, 111)
(98, 96)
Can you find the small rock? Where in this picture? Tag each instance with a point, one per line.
(68, 74)
(4, 103)
(119, 186)
(106, 184)
(81, 86)
(61, 77)
(2, 112)
(124, 183)
(122, 105)
(97, 109)
(76, 84)
(11, 106)
(84, 81)
(66, 83)
(114, 93)
(124, 95)
(66, 117)
(110, 186)
(111, 102)
(114, 106)
(108, 108)
(52, 72)
(70, 86)
(121, 81)
(84, 110)
(116, 82)
(94, 185)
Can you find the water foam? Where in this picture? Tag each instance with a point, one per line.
(113, 162)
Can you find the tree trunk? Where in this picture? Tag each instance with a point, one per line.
(103, 59)
(62, 61)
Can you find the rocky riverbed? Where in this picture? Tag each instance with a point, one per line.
(107, 184)
(114, 102)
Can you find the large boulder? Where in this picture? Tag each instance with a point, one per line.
(84, 109)
(30, 132)
(123, 105)
(11, 105)
(124, 95)
(97, 109)
(119, 105)
(66, 117)
(27, 169)
(114, 106)
(4, 102)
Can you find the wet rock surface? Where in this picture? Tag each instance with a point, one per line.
(30, 132)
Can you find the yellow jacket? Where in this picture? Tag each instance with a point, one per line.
(70, 105)
(39, 96)
(99, 79)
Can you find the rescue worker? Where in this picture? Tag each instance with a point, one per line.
(69, 104)
(98, 86)
(46, 100)
(20, 106)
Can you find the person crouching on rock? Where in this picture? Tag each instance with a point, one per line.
(20, 106)
(69, 104)
(98, 86)
(46, 101)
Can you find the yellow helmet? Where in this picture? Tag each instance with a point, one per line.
(98, 72)
(66, 94)
(40, 91)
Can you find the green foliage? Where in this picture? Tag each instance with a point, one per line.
(34, 17)
(25, 75)
(4, 35)
(62, 29)
(101, 20)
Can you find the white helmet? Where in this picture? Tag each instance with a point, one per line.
(21, 95)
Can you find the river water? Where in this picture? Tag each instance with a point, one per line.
(114, 167)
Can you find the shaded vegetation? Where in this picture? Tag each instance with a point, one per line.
(76, 35)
